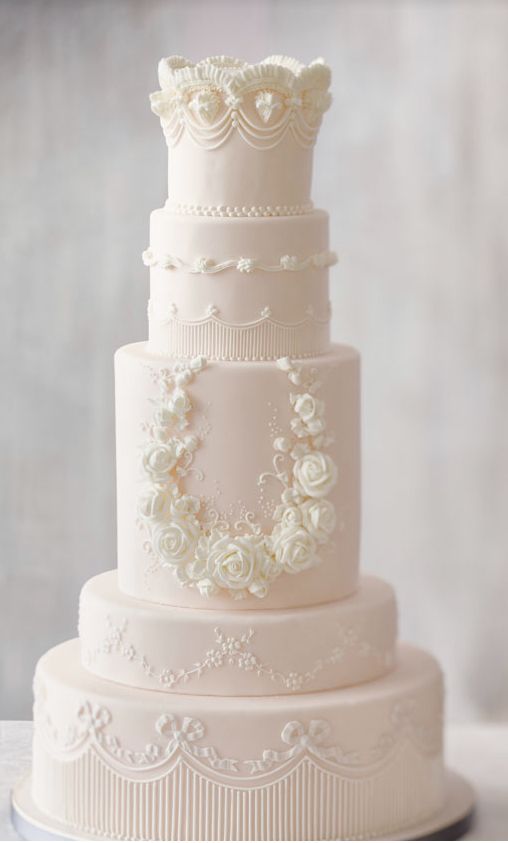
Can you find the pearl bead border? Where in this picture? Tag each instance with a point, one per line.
(181, 208)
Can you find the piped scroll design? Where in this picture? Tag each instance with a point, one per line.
(222, 95)
(209, 266)
(236, 560)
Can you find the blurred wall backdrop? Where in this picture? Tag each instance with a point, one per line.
(411, 163)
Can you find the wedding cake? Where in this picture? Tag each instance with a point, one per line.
(236, 678)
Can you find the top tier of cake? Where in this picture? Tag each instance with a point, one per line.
(275, 106)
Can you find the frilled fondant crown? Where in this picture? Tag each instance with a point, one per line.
(261, 101)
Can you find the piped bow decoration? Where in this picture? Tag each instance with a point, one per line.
(300, 739)
(183, 736)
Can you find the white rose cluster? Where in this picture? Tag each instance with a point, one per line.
(219, 561)
(305, 519)
(170, 516)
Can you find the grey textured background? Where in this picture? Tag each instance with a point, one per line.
(411, 164)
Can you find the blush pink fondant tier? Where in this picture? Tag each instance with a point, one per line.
(135, 764)
(249, 309)
(237, 653)
(240, 177)
(238, 414)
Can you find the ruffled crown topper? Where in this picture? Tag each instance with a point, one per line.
(261, 101)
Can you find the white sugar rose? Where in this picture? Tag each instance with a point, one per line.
(291, 517)
(319, 519)
(174, 542)
(315, 474)
(295, 550)
(159, 458)
(233, 560)
(151, 504)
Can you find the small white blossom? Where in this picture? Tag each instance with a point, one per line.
(282, 443)
(315, 474)
(203, 265)
(246, 264)
(289, 262)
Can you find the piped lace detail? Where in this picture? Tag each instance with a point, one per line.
(221, 95)
(264, 338)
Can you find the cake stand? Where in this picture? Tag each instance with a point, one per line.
(451, 823)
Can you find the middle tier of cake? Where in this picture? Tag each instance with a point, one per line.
(208, 651)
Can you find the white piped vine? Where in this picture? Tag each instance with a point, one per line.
(234, 651)
(239, 559)
(208, 266)
(261, 102)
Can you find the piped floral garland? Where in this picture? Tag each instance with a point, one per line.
(208, 266)
(232, 651)
(242, 560)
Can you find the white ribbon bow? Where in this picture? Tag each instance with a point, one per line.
(184, 736)
(300, 740)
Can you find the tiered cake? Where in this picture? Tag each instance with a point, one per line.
(236, 679)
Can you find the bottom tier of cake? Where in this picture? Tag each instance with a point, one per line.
(127, 763)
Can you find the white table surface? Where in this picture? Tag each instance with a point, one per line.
(479, 752)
